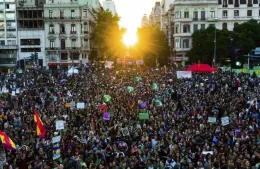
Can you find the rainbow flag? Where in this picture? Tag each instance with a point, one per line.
(7, 142)
(40, 128)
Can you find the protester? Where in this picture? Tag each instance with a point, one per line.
(206, 121)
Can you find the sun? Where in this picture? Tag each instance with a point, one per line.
(130, 38)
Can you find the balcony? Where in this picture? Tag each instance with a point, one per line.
(203, 19)
(51, 33)
(52, 48)
(250, 5)
(63, 33)
(85, 32)
(64, 19)
(73, 32)
(225, 5)
(183, 19)
(186, 34)
(8, 46)
(8, 56)
(211, 19)
(195, 19)
(72, 48)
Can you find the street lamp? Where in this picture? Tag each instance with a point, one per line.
(215, 44)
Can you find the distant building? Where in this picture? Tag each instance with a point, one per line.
(8, 34)
(145, 21)
(110, 5)
(67, 30)
(31, 34)
(155, 16)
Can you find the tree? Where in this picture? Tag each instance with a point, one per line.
(152, 43)
(107, 35)
(244, 36)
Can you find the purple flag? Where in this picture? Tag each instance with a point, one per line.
(106, 116)
(144, 105)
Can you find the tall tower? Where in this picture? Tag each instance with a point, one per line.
(110, 5)
(145, 21)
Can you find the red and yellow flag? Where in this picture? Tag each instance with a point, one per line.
(40, 128)
(7, 142)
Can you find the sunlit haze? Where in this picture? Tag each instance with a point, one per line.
(131, 13)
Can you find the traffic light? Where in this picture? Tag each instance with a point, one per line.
(36, 56)
(237, 59)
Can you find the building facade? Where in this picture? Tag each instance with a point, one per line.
(191, 15)
(31, 34)
(110, 5)
(8, 34)
(155, 16)
(145, 21)
(67, 32)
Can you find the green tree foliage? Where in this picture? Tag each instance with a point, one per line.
(107, 35)
(152, 43)
(244, 36)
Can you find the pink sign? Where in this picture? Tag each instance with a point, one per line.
(106, 116)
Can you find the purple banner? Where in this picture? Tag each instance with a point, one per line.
(106, 116)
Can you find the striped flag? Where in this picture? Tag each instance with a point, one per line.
(7, 142)
(40, 128)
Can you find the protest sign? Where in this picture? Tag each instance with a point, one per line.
(60, 125)
(80, 105)
(67, 105)
(212, 119)
(106, 116)
(225, 121)
(143, 116)
(184, 74)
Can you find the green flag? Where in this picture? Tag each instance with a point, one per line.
(143, 116)
(154, 86)
(129, 89)
(137, 79)
(158, 103)
(107, 98)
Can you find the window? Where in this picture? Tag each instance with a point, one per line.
(50, 13)
(186, 14)
(259, 13)
(255, 1)
(177, 43)
(212, 14)
(73, 43)
(85, 13)
(62, 29)
(7, 6)
(178, 14)
(242, 1)
(23, 50)
(51, 29)
(236, 3)
(73, 28)
(186, 43)
(195, 15)
(85, 43)
(202, 26)
(219, 2)
(236, 13)
(230, 2)
(202, 13)
(186, 28)
(212, 25)
(177, 28)
(72, 13)
(195, 27)
(30, 42)
(61, 14)
(224, 13)
(225, 3)
(249, 3)
(51, 43)
(224, 26)
(63, 43)
(249, 12)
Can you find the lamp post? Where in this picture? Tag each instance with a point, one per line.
(215, 44)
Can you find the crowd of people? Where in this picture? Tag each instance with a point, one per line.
(206, 121)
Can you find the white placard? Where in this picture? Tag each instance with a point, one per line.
(60, 125)
(225, 121)
(17, 91)
(184, 74)
(56, 139)
(207, 152)
(212, 119)
(80, 105)
(13, 93)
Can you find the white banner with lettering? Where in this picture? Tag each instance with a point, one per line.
(184, 74)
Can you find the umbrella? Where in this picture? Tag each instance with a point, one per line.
(63, 81)
(129, 89)
(158, 103)
(107, 98)
(137, 79)
(2, 106)
(154, 86)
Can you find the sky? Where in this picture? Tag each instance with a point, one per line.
(131, 13)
